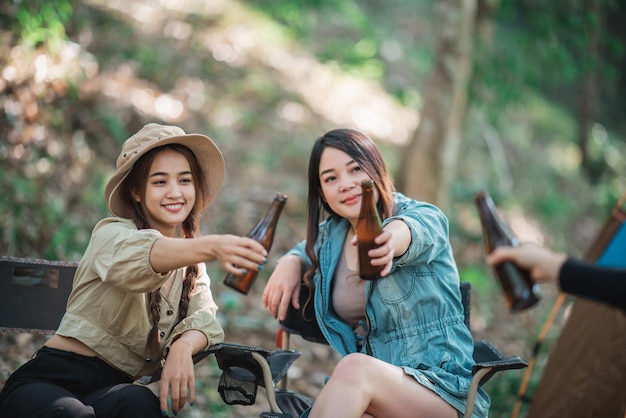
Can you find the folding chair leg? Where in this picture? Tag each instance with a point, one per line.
(268, 382)
(473, 389)
(285, 344)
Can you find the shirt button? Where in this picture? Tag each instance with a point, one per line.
(162, 333)
(170, 312)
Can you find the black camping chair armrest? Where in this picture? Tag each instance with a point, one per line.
(243, 369)
(510, 363)
(281, 361)
(487, 356)
(229, 354)
(239, 362)
(488, 360)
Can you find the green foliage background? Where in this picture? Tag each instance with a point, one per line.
(59, 136)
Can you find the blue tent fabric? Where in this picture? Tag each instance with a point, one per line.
(614, 254)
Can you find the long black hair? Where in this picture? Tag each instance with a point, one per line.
(368, 156)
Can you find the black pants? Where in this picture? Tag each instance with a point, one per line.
(56, 383)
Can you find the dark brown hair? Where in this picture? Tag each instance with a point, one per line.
(368, 156)
(136, 183)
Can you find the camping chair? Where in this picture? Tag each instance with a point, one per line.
(33, 296)
(488, 359)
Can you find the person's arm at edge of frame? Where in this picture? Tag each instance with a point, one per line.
(573, 276)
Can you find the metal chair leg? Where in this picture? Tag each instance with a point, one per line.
(267, 380)
(473, 389)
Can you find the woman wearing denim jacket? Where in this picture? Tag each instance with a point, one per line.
(405, 349)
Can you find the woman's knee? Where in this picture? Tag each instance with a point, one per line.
(128, 401)
(69, 408)
(354, 367)
(44, 400)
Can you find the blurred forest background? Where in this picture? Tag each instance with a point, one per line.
(521, 98)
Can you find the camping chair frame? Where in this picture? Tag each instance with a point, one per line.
(33, 294)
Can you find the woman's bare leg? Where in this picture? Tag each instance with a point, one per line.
(363, 386)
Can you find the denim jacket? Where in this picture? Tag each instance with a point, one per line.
(414, 316)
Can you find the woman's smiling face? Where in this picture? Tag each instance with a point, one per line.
(340, 180)
(170, 193)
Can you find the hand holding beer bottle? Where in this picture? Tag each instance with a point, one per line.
(263, 232)
(520, 290)
(368, 227)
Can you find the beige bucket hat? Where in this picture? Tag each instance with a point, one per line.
(152, 136)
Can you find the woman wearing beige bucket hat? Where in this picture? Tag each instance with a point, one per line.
(141, 297)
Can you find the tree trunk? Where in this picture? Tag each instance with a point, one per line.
(587, 88)
(430, 159)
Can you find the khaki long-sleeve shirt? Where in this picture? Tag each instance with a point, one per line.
(107, 309)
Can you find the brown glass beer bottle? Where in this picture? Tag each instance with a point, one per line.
(520, 290)
(368, 227)
(263, 232)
